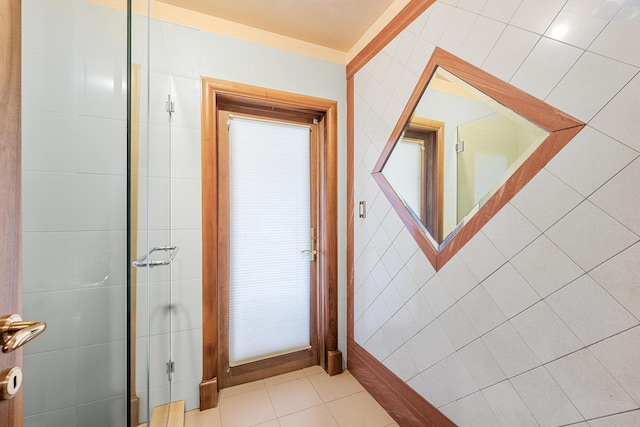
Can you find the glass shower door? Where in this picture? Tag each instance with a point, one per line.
(151, 228)
(166, 237)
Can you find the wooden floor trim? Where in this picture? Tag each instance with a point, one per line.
(405, 405)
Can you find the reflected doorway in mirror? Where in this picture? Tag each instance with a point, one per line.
(464, 145)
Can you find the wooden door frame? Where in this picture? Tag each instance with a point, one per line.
(213, 90)
(431, 133)
(11, 411)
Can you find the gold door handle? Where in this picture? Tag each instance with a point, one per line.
(312, 252)
(17, 332)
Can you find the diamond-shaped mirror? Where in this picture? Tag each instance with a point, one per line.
(465, 144)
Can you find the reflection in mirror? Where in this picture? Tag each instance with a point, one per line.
(464, 145)
(455, 152)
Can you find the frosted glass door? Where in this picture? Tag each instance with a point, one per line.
(269, 225)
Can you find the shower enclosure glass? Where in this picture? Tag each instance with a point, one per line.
(74, 152)
(111, 212)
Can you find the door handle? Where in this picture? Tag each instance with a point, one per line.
(17, 332)
(312, 252)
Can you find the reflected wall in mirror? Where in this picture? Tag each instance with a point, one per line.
(465, 144)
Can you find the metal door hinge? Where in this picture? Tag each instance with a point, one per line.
(459, 147)
(171, 368)
(170, 105)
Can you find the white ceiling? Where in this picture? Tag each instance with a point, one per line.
(335, 24)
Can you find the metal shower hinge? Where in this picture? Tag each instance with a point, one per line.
(171, 368)
(170, 105)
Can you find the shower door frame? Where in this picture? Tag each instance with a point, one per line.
(330, 357)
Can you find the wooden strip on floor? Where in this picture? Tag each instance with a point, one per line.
(160, 415)
(176, 414)
(169, 415)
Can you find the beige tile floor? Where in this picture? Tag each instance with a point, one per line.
(305, 398)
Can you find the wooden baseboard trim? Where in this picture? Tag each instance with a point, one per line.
(208, 394)
(406, 406)
(334, 362)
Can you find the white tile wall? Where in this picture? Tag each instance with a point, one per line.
(508, 405)
(49, 389)
(590, 160)
(627, 419)
(483, 35)
(481, 364)
(49, 141)
(102, 89)
(616, 118)
(475, 409)
(459, 330)
(548, 62)
(616, 197)
(540, 310)
(545, 333)
(535, 15)
(101, 364)
(101, 413)
(59, 309)
(481, 311)
(52, 193)
(590, 387)
(510, 231)
(101, 315)
(52, 264)
(100, 151)
(589, 236)
(49, 80)
(619, 277)
(545, 266)
(617, 355)
(576, 24)
(60, 418)
(510, 290)
(608, 41)
(546, 198)
(457, 30)
(509, 52)
(545, 399)
(590, 312)
(99, 202)
(590, 84)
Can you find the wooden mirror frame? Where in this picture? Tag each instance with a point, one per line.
(561, 127)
